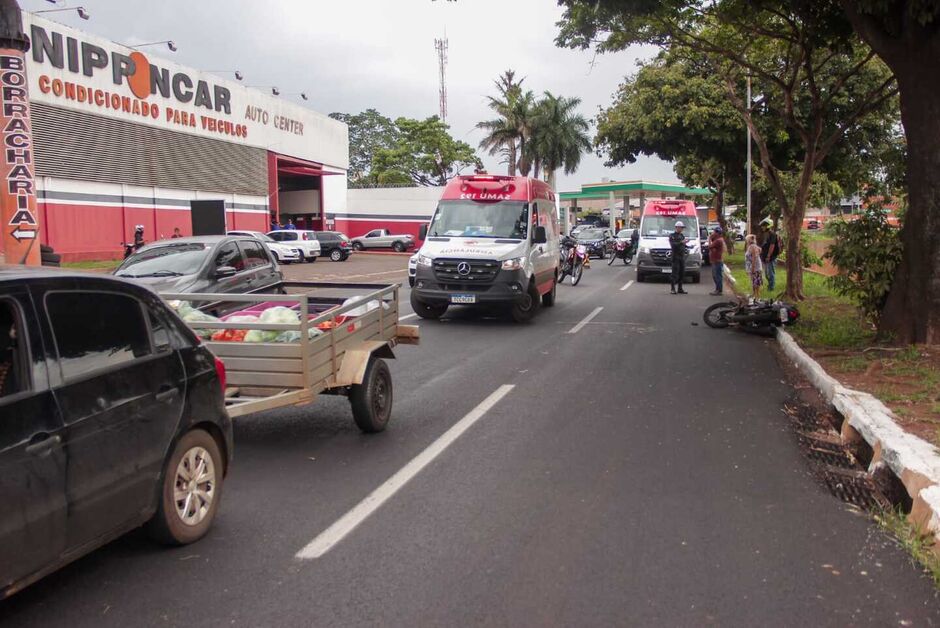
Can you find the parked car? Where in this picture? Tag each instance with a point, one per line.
(595, 241)
(282, 253)
(112, 416)
(412, 269)
(304, 241)
(384, 239)
(334, 245)
(813, 224)
(203, 264)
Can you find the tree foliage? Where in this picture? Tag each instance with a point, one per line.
(866, 252)
(811, 75)
(425, 154)
(369, 131)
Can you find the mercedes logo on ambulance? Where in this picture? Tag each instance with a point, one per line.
(463, 268)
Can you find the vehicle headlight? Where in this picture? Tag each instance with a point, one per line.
(424, 260)
(513, 264)
(645, 250)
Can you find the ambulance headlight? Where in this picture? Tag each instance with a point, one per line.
(645, 250)
(424, 260)
(513, 264)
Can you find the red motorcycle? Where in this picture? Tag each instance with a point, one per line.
(573, 258)
(623, 249)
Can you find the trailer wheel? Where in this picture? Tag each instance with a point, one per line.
(372, 399)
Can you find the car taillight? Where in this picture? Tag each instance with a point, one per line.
(344, 244)
(220, 371)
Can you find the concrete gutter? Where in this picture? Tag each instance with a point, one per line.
(912, 460)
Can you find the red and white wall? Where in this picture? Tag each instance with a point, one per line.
(86, 221)
(401, 210)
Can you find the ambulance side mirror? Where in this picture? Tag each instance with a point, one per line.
(539, 236)
(423, 232)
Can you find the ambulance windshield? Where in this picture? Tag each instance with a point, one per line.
(662, 226)
(470, 219)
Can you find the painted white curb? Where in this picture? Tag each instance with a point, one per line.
(914, 461)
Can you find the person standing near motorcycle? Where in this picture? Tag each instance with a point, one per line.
(769, 250)
(716, 255)
(677, 242)
(753, 266)
(634, 241)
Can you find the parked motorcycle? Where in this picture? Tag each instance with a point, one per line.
(573, 261)
(759, 317)
(622, 250)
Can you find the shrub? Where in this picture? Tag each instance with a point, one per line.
(866, 253)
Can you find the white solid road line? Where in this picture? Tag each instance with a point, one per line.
(406, 317)
(587, 319)
(629, 283)
(351, 520)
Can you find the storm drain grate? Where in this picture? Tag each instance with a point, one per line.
(839, 459)
(855, 487)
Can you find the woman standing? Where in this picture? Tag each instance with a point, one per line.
(753, 265)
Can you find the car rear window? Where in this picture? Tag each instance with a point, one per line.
(96, 330)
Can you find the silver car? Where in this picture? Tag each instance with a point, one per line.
(283, 254)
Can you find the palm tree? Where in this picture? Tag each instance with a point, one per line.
(508, 133)
(559, 135)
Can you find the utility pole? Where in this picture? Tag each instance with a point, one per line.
(19, 223)
(748, 227)
(441, 46)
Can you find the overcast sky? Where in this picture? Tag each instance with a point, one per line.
(349, 55)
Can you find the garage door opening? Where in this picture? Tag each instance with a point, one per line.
(297, 192)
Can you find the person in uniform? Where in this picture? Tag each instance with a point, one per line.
(677, 242)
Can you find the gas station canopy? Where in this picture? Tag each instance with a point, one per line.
(622, 189)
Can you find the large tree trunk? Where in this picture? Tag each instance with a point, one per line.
(912, 311)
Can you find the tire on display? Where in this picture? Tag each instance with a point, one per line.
(426, 310)
(399, 247)
(524, 310)
(336, 255)
(371, 400)
(548, 300)
(714, 315)
(190, 492)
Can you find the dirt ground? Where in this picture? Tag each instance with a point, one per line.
(907, 380)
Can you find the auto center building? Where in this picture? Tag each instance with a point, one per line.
(121, 138)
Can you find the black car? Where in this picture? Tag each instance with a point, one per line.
(203, 264)
(112, 416)
(334, 245)
(595, 240)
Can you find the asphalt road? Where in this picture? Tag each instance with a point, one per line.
(638, 472)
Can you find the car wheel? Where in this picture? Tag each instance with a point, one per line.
(191, 491)
(357, 246)
(372, 399)
(640, 277)
(336, 255)
(426, 310)
(399, 247)
(524, 310)
(411, 282)
(548, 300)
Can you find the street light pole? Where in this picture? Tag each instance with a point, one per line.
(748, 227)
(19, 221)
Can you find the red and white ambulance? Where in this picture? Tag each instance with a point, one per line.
(657, 222)
(493, 240)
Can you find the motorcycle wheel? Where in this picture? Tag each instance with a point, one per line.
(610, 260)
(716, 315)
(627, 259)
(576, 273)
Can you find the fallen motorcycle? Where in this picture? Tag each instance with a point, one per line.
(758, 317)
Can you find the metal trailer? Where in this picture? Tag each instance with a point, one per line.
(346, 359)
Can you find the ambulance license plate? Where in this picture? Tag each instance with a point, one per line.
(667, 270)
(463, 298)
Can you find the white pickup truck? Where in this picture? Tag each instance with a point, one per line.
(383, 239)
